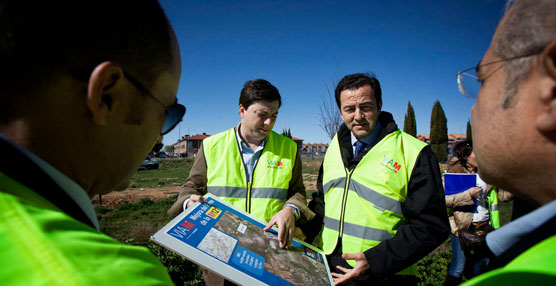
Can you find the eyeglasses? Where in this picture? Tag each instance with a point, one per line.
(468, 81)
(174, 112)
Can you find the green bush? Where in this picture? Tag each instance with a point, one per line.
(182, 271)
(431, 270)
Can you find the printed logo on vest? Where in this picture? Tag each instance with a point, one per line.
(274, 164)
(390, 164)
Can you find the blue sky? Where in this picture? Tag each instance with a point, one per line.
(415, 48)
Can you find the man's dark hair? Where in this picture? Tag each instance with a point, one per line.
(358, 80)
(258, 90)
(41, 39)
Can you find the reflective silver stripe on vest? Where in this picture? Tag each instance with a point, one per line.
(379, 201)
(358, 231)
(241, 192)
(494, 207)
(228, 192)
(336, 183)
(269, 193)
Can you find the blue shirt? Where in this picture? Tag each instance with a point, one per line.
(505, 237)
(369, 139)
(249, 156)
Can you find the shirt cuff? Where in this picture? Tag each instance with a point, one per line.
(295, 211)
(185, 204)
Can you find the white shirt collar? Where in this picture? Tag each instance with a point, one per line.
(75, 191)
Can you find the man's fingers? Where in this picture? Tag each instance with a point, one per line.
(281, 233)
(345, 270)
(270, 224)
(337, 275)
(290, 237)
(353, 256)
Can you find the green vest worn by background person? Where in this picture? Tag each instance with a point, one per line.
(227, 175)
(492, 199)
(41, 245)
(364, 206)
(535, 266)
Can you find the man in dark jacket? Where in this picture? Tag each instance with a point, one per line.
(380, 194)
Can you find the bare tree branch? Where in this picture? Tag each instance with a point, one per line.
(329, 115)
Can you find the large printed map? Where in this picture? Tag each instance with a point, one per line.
(231, 237)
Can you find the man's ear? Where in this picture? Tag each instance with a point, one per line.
(105, 85)
(546, 119)
(241, 110)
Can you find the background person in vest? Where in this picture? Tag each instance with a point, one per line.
(85, 95)
(514, 138)
(379, 191)
(251, 167)
(464, 216)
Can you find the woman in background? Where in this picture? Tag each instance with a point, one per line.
(467, 217)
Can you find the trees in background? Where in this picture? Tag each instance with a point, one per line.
(439, 132)
(409, 122)
(468, 132)
(287, 133)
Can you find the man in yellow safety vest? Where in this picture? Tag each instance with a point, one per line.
(251, 167)
(514, 134)
(87, 89)
(380, 194)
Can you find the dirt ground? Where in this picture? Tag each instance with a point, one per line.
(114, 199)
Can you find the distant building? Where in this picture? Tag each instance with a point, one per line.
(299, 143)
(314, 148)
(189, 145)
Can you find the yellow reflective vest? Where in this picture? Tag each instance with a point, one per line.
(364, 206)
(267, 192)
(42, 245)
(492, 198)
(535, 266)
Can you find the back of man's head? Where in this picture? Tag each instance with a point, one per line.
(258, 90)
(40, 39)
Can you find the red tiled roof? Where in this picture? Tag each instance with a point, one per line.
(196, 137)
(296, 139)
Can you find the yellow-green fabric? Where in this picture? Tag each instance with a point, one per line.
(41, 245)
(536, 266)
(364, 206)
(227, 176)
(492, 198)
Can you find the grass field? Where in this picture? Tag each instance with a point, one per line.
(135, 223)
(172, 172)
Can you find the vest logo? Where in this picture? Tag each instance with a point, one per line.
(390, 164)
(274, 164)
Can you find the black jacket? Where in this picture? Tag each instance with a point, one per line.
(425, 209)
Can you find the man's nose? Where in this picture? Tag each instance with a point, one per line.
(359, 115)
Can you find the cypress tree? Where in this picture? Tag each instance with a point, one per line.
(439, 132)
(469, 133)
(287, 133)
(409, 123)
